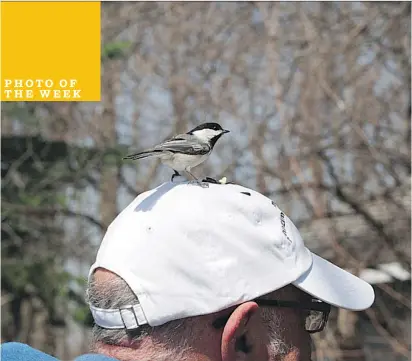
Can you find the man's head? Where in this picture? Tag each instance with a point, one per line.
(218, 273)
(244, 332)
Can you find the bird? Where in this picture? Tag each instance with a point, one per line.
(185, 151)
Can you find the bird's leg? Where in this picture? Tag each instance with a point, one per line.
(175, 174)
(195, 180)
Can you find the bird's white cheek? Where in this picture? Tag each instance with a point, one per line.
(206, 134)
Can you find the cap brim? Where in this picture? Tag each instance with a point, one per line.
(335, 286)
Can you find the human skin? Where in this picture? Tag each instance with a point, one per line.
(247, 323)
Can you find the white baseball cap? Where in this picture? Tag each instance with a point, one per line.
(186, 250)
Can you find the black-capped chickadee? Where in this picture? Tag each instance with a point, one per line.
(185, 151)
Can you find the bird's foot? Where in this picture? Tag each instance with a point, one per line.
(203, 184)
(199, 183)
(175, 174)
(195, 180)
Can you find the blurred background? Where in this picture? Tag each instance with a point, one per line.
(317, 98)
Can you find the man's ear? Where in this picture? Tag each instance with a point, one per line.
(234, 340)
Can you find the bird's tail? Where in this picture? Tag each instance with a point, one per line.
(145, 154)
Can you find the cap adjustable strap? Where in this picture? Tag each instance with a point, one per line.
(129, 317)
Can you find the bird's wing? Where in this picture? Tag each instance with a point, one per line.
(183, 143)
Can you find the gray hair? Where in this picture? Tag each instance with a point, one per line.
(273, 319)
(277, 345)
(174, 337)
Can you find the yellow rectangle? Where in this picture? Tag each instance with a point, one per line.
(50, 51)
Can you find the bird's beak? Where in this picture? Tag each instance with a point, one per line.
(226, 131)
